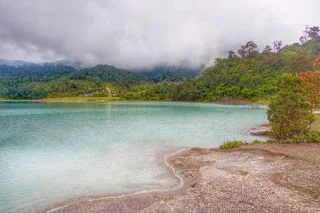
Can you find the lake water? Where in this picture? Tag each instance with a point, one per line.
(50, 152)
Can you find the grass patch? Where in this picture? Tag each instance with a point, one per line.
(310, 137)
(257, 141)
(230, 144)
(270, 141)
(316, 124)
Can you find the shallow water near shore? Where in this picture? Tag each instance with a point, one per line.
(50, 152)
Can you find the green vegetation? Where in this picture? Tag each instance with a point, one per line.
(169, 74)
(316, 124)
(55, 81)
(230, 144)
(289, 113)
(250, 76)
(257, 142)
(311, 136)
(254, 75)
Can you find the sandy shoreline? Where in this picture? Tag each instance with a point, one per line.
(253, 178)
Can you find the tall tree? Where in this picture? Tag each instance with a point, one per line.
(231, 54)
(312, 32)
(267, 49)
(303, 39)
(277, 45)
(248, 50)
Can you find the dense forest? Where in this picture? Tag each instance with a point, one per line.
(246, 74)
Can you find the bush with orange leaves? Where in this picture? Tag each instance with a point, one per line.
(311, 83)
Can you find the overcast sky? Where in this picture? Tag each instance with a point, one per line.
(146, 33)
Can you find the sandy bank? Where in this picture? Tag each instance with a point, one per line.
(253, 178)
(261, 130)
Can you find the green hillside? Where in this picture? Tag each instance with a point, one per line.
(50, 80)
(247, 74)
(250, 75)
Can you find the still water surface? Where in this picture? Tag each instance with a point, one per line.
(51, 152)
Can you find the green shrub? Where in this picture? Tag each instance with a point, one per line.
(314, 137)
(311, 136)
(305, 138)
(271, 141)
(230, 144)
(289, 113)
(257, 141)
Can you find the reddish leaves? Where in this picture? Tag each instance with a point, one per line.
(311, 85)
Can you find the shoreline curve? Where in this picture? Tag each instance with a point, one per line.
(167, 164)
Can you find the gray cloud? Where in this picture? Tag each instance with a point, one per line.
(145, 33)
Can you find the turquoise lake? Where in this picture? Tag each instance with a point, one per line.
(51, 152)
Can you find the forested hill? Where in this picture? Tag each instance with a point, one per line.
(57, 80)
(14, 63)
(108, 74)
(34, 72)
(170, 73)
(253, 74)
(248, 73)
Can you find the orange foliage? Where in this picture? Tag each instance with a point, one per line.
(316, 62)
(311, 85)
(309, 74)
